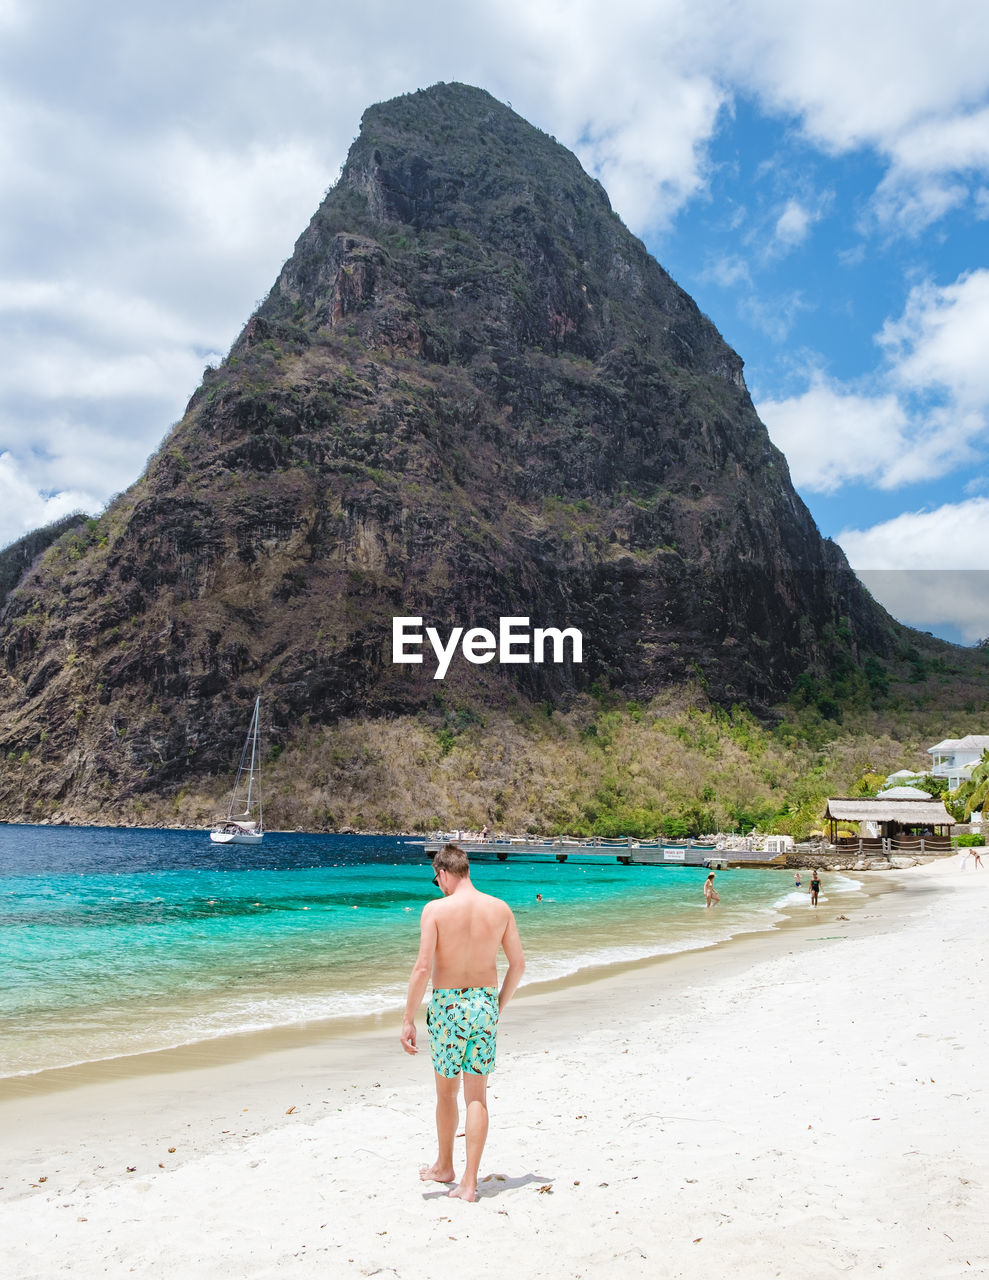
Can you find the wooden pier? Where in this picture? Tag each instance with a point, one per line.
(627, 851)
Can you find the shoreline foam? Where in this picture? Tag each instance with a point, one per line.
(233, 1043)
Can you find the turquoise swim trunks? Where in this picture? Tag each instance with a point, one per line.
(463, 1027)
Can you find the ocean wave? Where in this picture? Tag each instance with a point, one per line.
(242, 1017)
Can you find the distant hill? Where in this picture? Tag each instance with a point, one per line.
(470, 394)
(18, 557)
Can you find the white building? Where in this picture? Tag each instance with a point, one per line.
(955, 758)
(904, 778)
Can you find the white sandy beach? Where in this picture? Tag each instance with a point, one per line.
(809, 1102)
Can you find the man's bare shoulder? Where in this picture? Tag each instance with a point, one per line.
(456, 904)
(496, 906)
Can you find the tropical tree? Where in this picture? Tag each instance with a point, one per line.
(975, 792)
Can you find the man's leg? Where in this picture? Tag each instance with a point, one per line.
(476, 1098)
(447, 1114)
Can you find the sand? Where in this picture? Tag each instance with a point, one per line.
(803, 1103)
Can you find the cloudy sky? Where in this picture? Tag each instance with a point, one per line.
(816, 175)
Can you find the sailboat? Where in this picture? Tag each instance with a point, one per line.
(244, 823)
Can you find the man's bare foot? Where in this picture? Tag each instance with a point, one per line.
(464, 1192)
(436, 1173)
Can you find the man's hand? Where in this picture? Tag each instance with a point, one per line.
(420, 975)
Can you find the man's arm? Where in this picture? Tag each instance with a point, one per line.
(511, 944)
(419, 979)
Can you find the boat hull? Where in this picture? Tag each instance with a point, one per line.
(240, 837)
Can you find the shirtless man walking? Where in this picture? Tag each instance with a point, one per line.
(460, 937)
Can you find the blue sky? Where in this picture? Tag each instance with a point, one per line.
(816, 176)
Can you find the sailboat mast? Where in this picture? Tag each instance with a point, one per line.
(255, 726)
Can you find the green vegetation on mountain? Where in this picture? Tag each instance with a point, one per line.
(676, 766)
(17, 558)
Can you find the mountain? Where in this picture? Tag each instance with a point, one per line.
(17, 558)
(470, 394)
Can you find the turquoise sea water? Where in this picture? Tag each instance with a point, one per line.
(120, 941)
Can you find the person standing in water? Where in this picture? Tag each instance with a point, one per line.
(460, 938)
(815, 887)
(711, 895)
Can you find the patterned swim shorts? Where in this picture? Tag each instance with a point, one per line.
(463, 1027)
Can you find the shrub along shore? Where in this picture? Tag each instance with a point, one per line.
(675, 767)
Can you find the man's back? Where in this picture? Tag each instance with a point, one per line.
(459, 941)
(470, 927)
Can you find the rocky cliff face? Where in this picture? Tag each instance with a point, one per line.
(470, 394)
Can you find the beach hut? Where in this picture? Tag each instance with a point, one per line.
(903, 819)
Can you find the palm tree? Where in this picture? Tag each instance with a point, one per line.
(975, 792)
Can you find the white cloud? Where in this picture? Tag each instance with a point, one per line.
(650, 162)
(929, 568)
(861, 74)
(23, 507)
(955, 536)
(956, 142)
(910, 204)
(903, 77)
(942, 340)
(934, 600)
(11, 13)
(831, 436)
(927, 414)
(238, 202)
(629, 88)
(116, 319)
(792, 225)
(60, 371)
(66, 450)
(774, 316)
(90, 382)
(728, 272)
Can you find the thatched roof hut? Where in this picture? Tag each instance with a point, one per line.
(891, 817)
